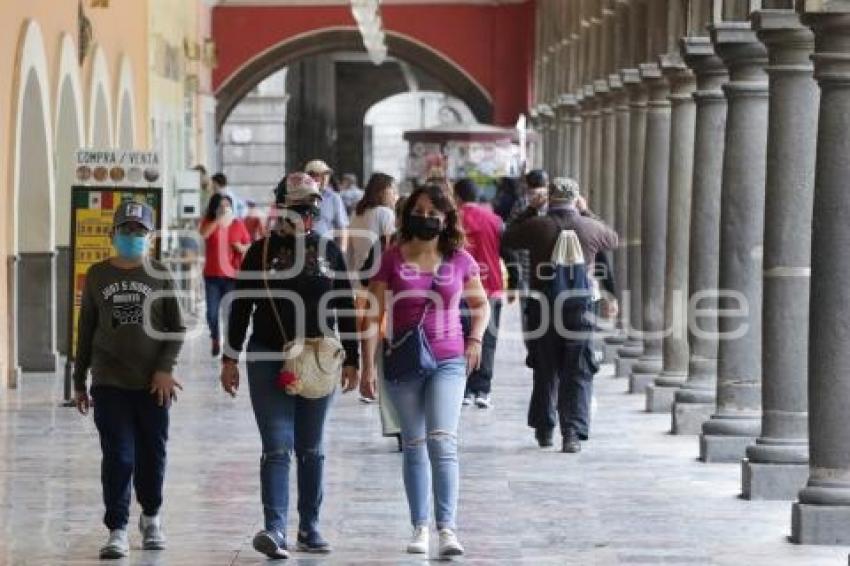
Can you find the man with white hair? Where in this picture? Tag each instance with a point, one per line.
(333, 220)
(563, 365)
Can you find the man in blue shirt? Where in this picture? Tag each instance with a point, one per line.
(333, 219)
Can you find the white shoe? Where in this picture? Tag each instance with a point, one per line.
(152, 536)
(468, 400)
(419, 541)
(482, 401)
(117, 546)
(449, 545)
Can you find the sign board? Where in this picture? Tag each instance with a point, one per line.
(117, 168)
(92, 209)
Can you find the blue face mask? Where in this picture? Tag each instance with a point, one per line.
(131, 247)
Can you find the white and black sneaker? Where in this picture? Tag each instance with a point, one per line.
(449, 545)
(468, 399)
(482, 401)
(271, 543)
(117, 545)
(152, 535)
(419, 541)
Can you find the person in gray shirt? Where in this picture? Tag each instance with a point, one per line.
(130, 332)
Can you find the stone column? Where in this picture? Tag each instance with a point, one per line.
(694, 402)
(600, 158)
(653, 226)
(564, 135)
(659, 395)
(616, 155)
(608, 145)
(628, 355)
(594, 189)
(575, 136)
(737, 418)
(822, 513)
(587, 104)
(776, 465)
(36, 306)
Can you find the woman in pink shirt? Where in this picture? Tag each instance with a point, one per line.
(423, 278)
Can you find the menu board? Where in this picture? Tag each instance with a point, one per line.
(92, 210)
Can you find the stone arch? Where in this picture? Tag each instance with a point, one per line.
(32, 296)
(125, 116)
(69, 135)
(459, 83)
(100, 131)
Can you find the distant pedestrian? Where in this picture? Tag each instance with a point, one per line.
(350, 192)
(218, 182)
(226, 241)
(255, 221)
(373, 221)
(333, 220)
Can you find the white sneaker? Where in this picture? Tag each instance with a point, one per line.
(152, 536)
(419, 541)
(117, 546)
(468, 399)
(449, 545)
(482, 401)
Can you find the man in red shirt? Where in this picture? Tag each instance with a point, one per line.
(483, 230)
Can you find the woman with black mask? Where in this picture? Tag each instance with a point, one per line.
(419, 285)
(291, 265)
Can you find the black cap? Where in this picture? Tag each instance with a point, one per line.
(537, 179)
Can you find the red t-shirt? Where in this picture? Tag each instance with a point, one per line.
(483, 239)
(222, 259)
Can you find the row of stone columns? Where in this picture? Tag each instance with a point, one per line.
(723, 165)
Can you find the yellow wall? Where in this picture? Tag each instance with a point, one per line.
(119, 29)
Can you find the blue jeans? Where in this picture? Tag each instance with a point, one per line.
(133, 432)
(287, 423)
(429, 410)
(216, 288)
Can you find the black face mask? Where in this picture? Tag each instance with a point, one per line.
(424, 227)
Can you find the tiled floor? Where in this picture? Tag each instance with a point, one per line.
(635, 495)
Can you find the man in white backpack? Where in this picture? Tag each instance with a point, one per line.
(563, 245)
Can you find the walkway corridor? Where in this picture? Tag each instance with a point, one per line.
(636, 495)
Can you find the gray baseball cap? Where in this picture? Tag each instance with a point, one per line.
(131, 211)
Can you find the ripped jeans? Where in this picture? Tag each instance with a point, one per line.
(287, 423)
(429, 410)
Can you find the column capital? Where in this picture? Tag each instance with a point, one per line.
(789, 43)
(832, 45)
(633, 84)
(657, 84)
(711, 73)
(742, 52)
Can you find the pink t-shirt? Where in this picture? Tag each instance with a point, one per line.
(407, 298)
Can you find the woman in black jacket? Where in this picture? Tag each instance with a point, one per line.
(300, 268)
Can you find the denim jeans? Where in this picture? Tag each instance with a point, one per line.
(287, 423)
(429, 410)
(133, 433)
(216, 288)
(563, 379)
(480, 380)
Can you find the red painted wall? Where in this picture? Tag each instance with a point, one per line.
(493, 44)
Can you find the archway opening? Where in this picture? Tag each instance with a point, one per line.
(36, 307)
(68, 140)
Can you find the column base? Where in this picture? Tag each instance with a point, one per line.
(612, 345)
(13, 377)
(772, 482)
(639, 382)
(716, 448)
(688, 418)
(659, 398)
(623, 366)
(820, 524)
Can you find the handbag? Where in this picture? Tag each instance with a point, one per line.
(410, 356)
(311, 366)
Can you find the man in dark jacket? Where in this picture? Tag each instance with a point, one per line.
(563, 366)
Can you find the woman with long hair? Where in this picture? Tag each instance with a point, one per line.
(290, 274)
(373, 222)
(226, 240)
(419, 284)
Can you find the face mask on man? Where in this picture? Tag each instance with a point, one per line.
(425, 227)
(130, 246)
